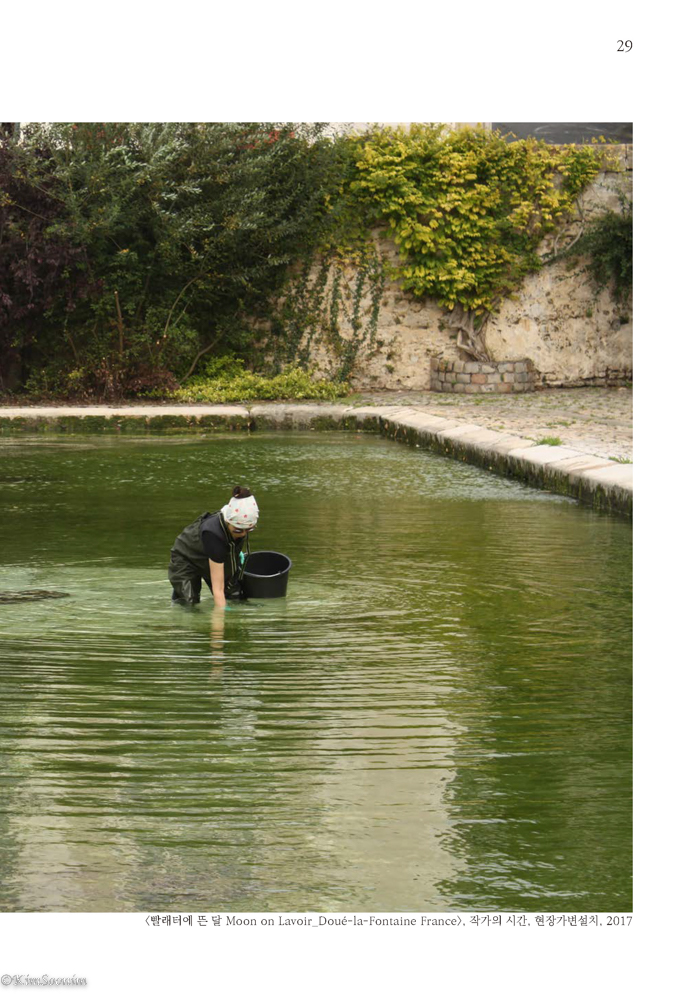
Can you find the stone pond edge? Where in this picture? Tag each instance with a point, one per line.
(604, 484)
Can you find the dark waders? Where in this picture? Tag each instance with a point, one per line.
(189, 565)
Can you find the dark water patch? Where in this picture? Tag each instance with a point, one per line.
(22, 596)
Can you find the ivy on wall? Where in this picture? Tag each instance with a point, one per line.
(467, 211)
(607, 246)
(333, 299)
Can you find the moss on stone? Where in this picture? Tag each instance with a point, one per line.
(170, 422)
(261, 422)
(221, 422)
(90, 425)
(131, 426)
(326, 424)
(369, 425)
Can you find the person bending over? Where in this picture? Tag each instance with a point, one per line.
(210, 549)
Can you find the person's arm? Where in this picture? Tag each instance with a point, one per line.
(217, 581)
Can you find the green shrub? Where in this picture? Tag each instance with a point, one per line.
(54, 380)
(608, 244)
(220, 366)
(293, 383)
(102, 378)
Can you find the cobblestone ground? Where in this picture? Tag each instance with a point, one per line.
(593, 420)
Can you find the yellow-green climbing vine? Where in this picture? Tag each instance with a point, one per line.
(467, 210)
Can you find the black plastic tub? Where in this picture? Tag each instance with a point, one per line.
(266, 574)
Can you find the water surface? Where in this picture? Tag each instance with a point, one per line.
(436, 717)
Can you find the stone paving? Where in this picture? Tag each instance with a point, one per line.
(593, 420)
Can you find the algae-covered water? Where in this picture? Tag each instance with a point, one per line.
(436, 717)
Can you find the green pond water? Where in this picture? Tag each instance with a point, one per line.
(437, 716)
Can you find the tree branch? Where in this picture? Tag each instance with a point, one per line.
(143, 299)
(35, 214)
(168, 320)
(470, 338)
(120, 325)
(199, 355)
(556, 254)
(71, 343)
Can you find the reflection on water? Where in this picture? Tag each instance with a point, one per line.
(436, 717)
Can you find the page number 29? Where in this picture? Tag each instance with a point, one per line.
(624, 46)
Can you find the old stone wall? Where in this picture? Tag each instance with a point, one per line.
(572, 335)
(477, 376)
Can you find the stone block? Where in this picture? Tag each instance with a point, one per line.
(482, 440)
(504, 387)
(612, 476)
(582, 463)
(543, 454)
(450, 377)
(463, 377)
(287, 416)
(471, 388)
(460, 386)
(478, 379)
(521, 377)
(520, 366)
(494, 378)
(472, 367)
(461, 432)
(421, 423)
(488, 369)
(508, 376)
(365, 417)
(487, 388)
(458, 366)
(506, 366)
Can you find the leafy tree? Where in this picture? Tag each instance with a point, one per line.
(37, 267)
(179, 233)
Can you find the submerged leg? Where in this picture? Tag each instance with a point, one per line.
(185, 583)
(186, 591)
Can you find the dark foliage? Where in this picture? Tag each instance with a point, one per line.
(128, 251)
(608, 245)
(36, 267)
